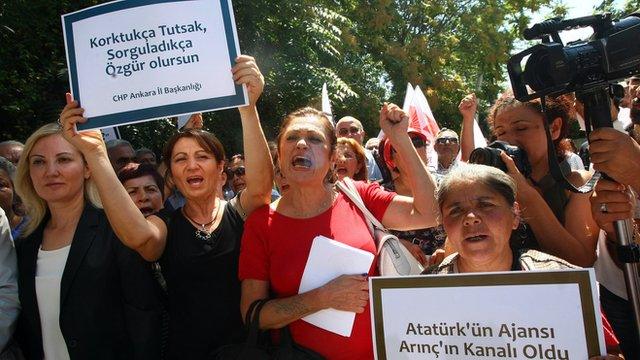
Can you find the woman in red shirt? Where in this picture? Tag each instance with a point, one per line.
(277, 238)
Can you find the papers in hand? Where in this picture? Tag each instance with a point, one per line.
(327, 260)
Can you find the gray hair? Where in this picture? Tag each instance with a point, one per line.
(8, 167)
(114, 143)
(477, 174)
(11, 143)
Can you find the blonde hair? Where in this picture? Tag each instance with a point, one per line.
(362, 174)
(35, 205)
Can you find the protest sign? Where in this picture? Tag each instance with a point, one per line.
(132, 61)
(514, 315)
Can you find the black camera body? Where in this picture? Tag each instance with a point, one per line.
(490, 156)
(612, 54)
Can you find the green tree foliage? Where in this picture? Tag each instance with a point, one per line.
(448, 47)
(616, 9)
(365, 50)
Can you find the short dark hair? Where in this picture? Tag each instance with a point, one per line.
(145, 150)
(207, 140)
(134, 171)
(556, 107)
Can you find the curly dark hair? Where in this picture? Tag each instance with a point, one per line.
(557, 107)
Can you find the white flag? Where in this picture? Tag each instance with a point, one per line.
(408, 98)
(478, 139)
(326, 104)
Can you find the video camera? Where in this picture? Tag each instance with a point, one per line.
(588, 68)
(612, 54)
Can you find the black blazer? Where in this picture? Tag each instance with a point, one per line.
(109, 306)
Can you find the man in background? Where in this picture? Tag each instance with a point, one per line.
(352, 128)
(447, 146)
(120, 153)
(11, 150)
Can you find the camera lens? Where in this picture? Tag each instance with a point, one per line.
(536, 71)
(482, 156)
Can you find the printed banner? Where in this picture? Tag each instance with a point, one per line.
(514, 315)
(133, 61)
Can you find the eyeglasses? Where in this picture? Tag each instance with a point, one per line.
(352, 130)
(444, 140)
(239, 171)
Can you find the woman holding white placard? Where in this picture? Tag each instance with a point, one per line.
(198, 244)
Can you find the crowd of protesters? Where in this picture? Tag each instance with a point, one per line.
(123, 254)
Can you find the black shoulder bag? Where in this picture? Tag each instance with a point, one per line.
(259, 347)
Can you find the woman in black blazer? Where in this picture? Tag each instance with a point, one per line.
(84, 295)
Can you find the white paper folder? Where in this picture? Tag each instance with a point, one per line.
(327, 260)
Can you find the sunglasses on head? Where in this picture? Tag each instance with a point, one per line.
(239, 171)
(444, 140)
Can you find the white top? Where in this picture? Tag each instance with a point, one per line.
(607, 272)
(48, 277)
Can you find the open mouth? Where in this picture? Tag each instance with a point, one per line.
(239, 185)
(195, 180)
(146, 211)
(301, 162)
(341, 171)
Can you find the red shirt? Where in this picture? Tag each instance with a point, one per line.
(275, 248)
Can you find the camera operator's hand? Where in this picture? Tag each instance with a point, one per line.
(468, 107)
(525, 188)
(611, 202)
(617, 155)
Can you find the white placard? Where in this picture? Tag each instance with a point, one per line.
(424, 320)
(132, 61)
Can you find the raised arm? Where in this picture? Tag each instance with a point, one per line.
(468, 107)
(406, 213)
(146, 236)
(259, 168)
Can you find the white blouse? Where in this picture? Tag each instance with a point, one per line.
(49, 270)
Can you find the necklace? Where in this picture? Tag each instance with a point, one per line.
(201, 229)
(320, 209)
